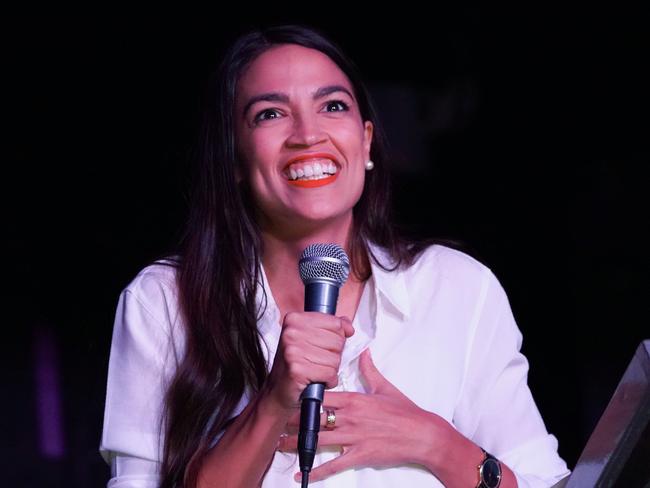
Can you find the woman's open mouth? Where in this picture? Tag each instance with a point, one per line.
(312, 173)
(313, 183)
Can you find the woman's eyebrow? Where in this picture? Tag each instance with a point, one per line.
(323, 91)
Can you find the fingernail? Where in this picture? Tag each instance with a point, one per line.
(297, 476)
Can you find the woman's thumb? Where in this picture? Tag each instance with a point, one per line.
(348, 329)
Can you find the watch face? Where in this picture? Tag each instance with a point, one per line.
(491, 473)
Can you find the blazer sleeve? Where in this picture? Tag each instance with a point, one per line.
(496, 407)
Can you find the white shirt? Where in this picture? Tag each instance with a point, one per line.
(441, 331)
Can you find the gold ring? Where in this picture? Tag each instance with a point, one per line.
(331, 419)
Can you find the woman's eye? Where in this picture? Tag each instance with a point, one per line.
(343, 105)
(270, 113)
(259, 117)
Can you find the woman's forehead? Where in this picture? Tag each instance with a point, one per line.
(288, 68)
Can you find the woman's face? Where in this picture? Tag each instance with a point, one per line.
(301, 138)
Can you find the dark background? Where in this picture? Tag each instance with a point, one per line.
(522, 133)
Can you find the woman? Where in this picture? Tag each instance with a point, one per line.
(211, 350)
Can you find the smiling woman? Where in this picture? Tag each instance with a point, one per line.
(211, 349)
(316, 125)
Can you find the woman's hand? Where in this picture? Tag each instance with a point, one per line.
(309, 351)
(382, 428)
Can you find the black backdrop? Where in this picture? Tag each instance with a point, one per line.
(522, 133)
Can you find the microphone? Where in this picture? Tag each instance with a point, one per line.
(323, 269)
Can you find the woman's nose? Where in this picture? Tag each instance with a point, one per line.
(306, 131)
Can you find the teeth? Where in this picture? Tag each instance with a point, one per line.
(312, 171)
(316, 177)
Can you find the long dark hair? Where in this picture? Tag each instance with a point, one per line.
(219, 267)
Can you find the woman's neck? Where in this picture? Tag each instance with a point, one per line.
(280, 259)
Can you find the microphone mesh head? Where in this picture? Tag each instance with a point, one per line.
(324, 262)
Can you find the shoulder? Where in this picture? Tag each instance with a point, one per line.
(157, 277)
(154, 290)
(442, 272)
(449, 263)
(443, 267)
(465, 283)
(435, 260)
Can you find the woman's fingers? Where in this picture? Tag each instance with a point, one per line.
(308, 355)
(289, 442)
(294, 420)
(316, 329)
(340, 463)
(309, 351)
(329, 340)
(348, 329)
(374, 379)
(377, 382)
(318, 320)
(341, 399)
(380, 428)
(333, 400)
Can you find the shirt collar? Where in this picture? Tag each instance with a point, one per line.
(390, 289)
(390, 285)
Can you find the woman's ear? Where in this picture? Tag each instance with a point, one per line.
(368, 129)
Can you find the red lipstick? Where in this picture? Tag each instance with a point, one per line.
(313, 183)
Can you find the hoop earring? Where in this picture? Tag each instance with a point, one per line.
(369, 165)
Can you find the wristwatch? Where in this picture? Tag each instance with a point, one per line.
(489, 471)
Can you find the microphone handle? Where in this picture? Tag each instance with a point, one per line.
(312, 398)
(320, 296)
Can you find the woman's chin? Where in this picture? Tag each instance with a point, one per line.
(303, 223)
